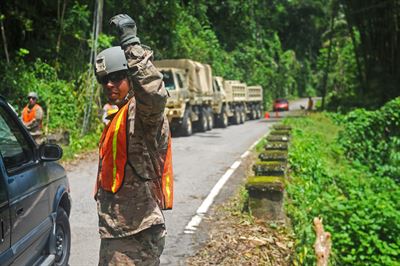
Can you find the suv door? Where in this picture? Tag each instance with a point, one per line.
(5, 232)
(28, 196)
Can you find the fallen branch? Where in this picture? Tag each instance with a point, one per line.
(322, 245)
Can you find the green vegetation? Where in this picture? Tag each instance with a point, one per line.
(359, 206)
(260, 145)
(291, 48)
(380, 134)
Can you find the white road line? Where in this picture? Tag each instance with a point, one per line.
(191, 227)
(245, 154)
(196, 220)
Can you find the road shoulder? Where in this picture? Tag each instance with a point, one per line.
(229, 236)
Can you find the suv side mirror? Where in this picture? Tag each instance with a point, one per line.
(50, 152)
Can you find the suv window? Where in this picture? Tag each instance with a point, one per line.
(14, 148)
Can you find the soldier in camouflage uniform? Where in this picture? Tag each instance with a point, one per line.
(131, 223)
(32, 117)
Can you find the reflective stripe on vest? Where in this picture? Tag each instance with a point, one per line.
(113, 152)
(29, 114)
(167, 180)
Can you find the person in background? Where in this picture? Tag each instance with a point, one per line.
(108, 111)
(32, 117)
(133, 152)
(310, 104)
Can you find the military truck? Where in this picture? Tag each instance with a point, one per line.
(236, 102)
(189, 84)
(254, 102)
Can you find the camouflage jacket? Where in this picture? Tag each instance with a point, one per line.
(134, 207)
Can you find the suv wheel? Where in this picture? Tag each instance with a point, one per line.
(63, 238)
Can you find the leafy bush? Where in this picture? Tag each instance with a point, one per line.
(62, 101)
(360, 208)
(372, 138)
(57, 97)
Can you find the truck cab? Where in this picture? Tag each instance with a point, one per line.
(189, 84)
(176, 84)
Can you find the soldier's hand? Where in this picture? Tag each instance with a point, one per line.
(126, 28)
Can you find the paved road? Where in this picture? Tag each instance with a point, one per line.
(199, 162)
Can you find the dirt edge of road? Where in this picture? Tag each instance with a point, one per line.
(231, 236)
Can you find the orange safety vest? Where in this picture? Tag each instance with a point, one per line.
(113, 159)
(167, 179)
(29, 114)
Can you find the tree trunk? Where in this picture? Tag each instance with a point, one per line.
(328, 60)
(3, 35)
(323, 243)
(61, 21)
(360, 74)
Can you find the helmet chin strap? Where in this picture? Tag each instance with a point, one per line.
(128, 96)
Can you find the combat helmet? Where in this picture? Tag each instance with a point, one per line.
(110, 60)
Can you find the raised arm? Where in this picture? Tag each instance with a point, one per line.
(146, 80)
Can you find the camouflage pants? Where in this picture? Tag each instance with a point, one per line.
(143, 248)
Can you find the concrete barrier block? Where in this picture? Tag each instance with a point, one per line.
(280, 132)
(282, 127)
(273, 156)
(270, 168)
(277, 138)
(266, 197)
(276, 146)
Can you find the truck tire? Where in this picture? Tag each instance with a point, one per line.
(242, 115)
(63, 238)
(223, 119)
(203, 121)
(210, 119)
(253, 113)
(258, 112)
(236, 116)
(187, 126)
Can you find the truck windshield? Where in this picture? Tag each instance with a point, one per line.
(168, 80)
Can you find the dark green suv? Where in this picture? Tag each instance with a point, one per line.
(34, 198)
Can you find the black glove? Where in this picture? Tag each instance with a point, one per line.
(126, 28)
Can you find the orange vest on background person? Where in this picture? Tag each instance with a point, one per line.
(113, 159)
(30, 114)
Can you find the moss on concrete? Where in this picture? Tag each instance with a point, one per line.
(282, 127)
(274, 183)
(280, 132)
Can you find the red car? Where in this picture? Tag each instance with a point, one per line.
(281, 105)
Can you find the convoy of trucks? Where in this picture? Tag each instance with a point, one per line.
(200, 101)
